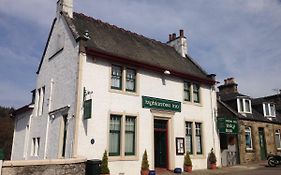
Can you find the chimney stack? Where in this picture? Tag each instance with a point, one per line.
(229, 86)
(179, 43)
(65, 6)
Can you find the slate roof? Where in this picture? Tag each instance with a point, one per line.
(123, 43)
(230, 96)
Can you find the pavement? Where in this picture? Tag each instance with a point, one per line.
(241, 169)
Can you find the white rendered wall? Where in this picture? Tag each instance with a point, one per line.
(21, 133)
(96, 78)
(60, 72)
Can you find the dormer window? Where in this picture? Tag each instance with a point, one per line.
(244, 105)
(269, 110)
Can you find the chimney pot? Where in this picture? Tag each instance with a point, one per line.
(174, 36)
(181, 33)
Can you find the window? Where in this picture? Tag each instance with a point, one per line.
(269, 110)
(244, 105)
(248, 138)
(188, 137)
(115, 135)
(187, 90)
(130, 136)
(130, 80)
(117, 79)
(122, 126)
(191, 92)
(198, 133)
(277, 139)
(35, 146)
(40, 101)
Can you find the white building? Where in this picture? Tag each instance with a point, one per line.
(100, 87)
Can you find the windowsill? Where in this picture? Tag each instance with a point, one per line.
(198, 156)
(123, 92)
(122, 158)
(279, 149)
(250, 150)
(193, 103)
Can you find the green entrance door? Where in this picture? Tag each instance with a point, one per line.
(262, 144)
(160, 143)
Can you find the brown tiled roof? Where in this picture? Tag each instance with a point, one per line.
(134, 47)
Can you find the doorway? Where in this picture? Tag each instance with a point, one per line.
(262, 144)
(161, 143)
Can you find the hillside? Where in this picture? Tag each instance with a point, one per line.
(6, 131)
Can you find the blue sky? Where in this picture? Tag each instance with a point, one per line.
(233, 38)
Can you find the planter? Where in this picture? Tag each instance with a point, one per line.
(213, 166)
(188, 168)
(144, 172)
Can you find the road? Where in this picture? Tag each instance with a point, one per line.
(260, 171)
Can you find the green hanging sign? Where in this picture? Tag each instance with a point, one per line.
(227, 125)
(162, 104)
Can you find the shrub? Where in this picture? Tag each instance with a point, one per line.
(144, 163)
(104, 164)
(187, 160)
(212, 157)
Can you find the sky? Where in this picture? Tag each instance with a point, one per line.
(230, 38)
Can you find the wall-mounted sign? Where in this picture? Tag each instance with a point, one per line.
(162, 104)
(226, 125)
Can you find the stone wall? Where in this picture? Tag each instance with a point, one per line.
(45, 167)
(249, 156)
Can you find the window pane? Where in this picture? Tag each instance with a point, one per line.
(247, 105)
(131, 80)
(277, 139)
(188, 137)
(266, 109)
(87, 109)
(196, 95)
(198, 138)
(130, 136)
(187, 87)
(272, 109)
(114, 135)
(241, 105)
(116, 77)
(248, 138)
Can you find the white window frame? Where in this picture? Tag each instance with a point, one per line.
(194, 136)
(244, 105)
(271, 113)
(277, 133)
(35, 146)
(249, 130)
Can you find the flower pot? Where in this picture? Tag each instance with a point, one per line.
(213, 166)
(188, 168)
(144, 172)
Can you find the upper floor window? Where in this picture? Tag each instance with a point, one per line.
(244, 105)
(117, 78)
(191, 92)
(269, 110)
(40, 101)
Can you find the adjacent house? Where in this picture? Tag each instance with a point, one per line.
(100, 87)
(257, 126)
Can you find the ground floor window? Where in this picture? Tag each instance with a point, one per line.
(193, 132)
(122, 130)
(277, 139)
(35, 146)
(248, 138)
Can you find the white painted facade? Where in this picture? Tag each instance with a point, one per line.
(64, 78)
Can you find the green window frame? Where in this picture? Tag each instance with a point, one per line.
(196, 93)
(198, 134)
(116, 77)
(130, 134)
(115, 135)
(187, 91)
(188, 137)
(130, 80)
